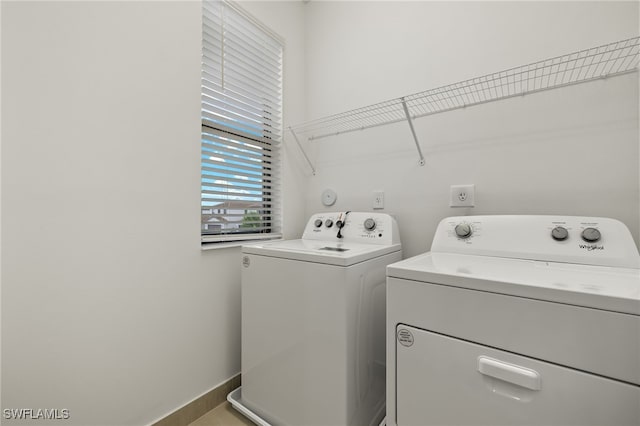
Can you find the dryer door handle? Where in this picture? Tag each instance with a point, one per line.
(507, 372)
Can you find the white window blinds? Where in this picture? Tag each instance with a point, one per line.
(241, 126)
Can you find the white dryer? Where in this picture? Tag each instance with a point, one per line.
(516, 320)
(313, 323)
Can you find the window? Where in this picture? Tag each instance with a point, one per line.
(241, 126)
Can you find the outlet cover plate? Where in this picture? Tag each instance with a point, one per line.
(462, 195)
(378, 200)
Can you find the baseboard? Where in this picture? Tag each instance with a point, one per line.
(199, 406)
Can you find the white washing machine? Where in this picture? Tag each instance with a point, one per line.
(313, 323)
(516, 320)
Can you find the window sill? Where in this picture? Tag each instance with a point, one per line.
(232, 244)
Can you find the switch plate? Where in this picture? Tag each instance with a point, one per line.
(462, 195)
(378, 199)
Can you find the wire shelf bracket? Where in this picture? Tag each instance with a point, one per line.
(295, 137)
(413, 131)
(601, 62)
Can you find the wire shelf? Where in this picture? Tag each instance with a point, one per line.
(612, 59)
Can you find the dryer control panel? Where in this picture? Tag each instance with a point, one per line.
(570, 239)
(353, 227)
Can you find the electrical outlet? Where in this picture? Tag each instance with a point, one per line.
(462, 195)
(378, 199)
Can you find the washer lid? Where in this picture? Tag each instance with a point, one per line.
(327, 252)
(607, 288)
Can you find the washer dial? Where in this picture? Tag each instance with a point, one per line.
(559, 233)
(463, 230)
(591, 235)
(369, 224)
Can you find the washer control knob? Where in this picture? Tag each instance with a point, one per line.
(591, 235)
(559, 233)
(328, 223)
(369, 224)
(463, 230)
(318, 223)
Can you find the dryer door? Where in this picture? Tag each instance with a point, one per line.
(446, 381)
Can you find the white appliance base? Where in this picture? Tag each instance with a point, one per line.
(235, 399)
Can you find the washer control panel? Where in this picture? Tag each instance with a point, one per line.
(584, 240)
(365, 227)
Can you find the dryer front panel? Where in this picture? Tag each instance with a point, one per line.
(447, 381)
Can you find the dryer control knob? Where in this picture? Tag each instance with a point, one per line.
(369, 224)
(591, 235)
(559, 233)
(463, 230)
(328, 223)
(318, 223)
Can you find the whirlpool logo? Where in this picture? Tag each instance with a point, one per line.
(591, 247)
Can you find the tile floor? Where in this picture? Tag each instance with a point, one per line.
(223, 415)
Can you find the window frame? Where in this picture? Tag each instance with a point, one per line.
(262, 151)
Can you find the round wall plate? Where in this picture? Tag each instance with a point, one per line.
(329, 197)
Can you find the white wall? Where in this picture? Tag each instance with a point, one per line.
(109, 307)
(571, 151)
